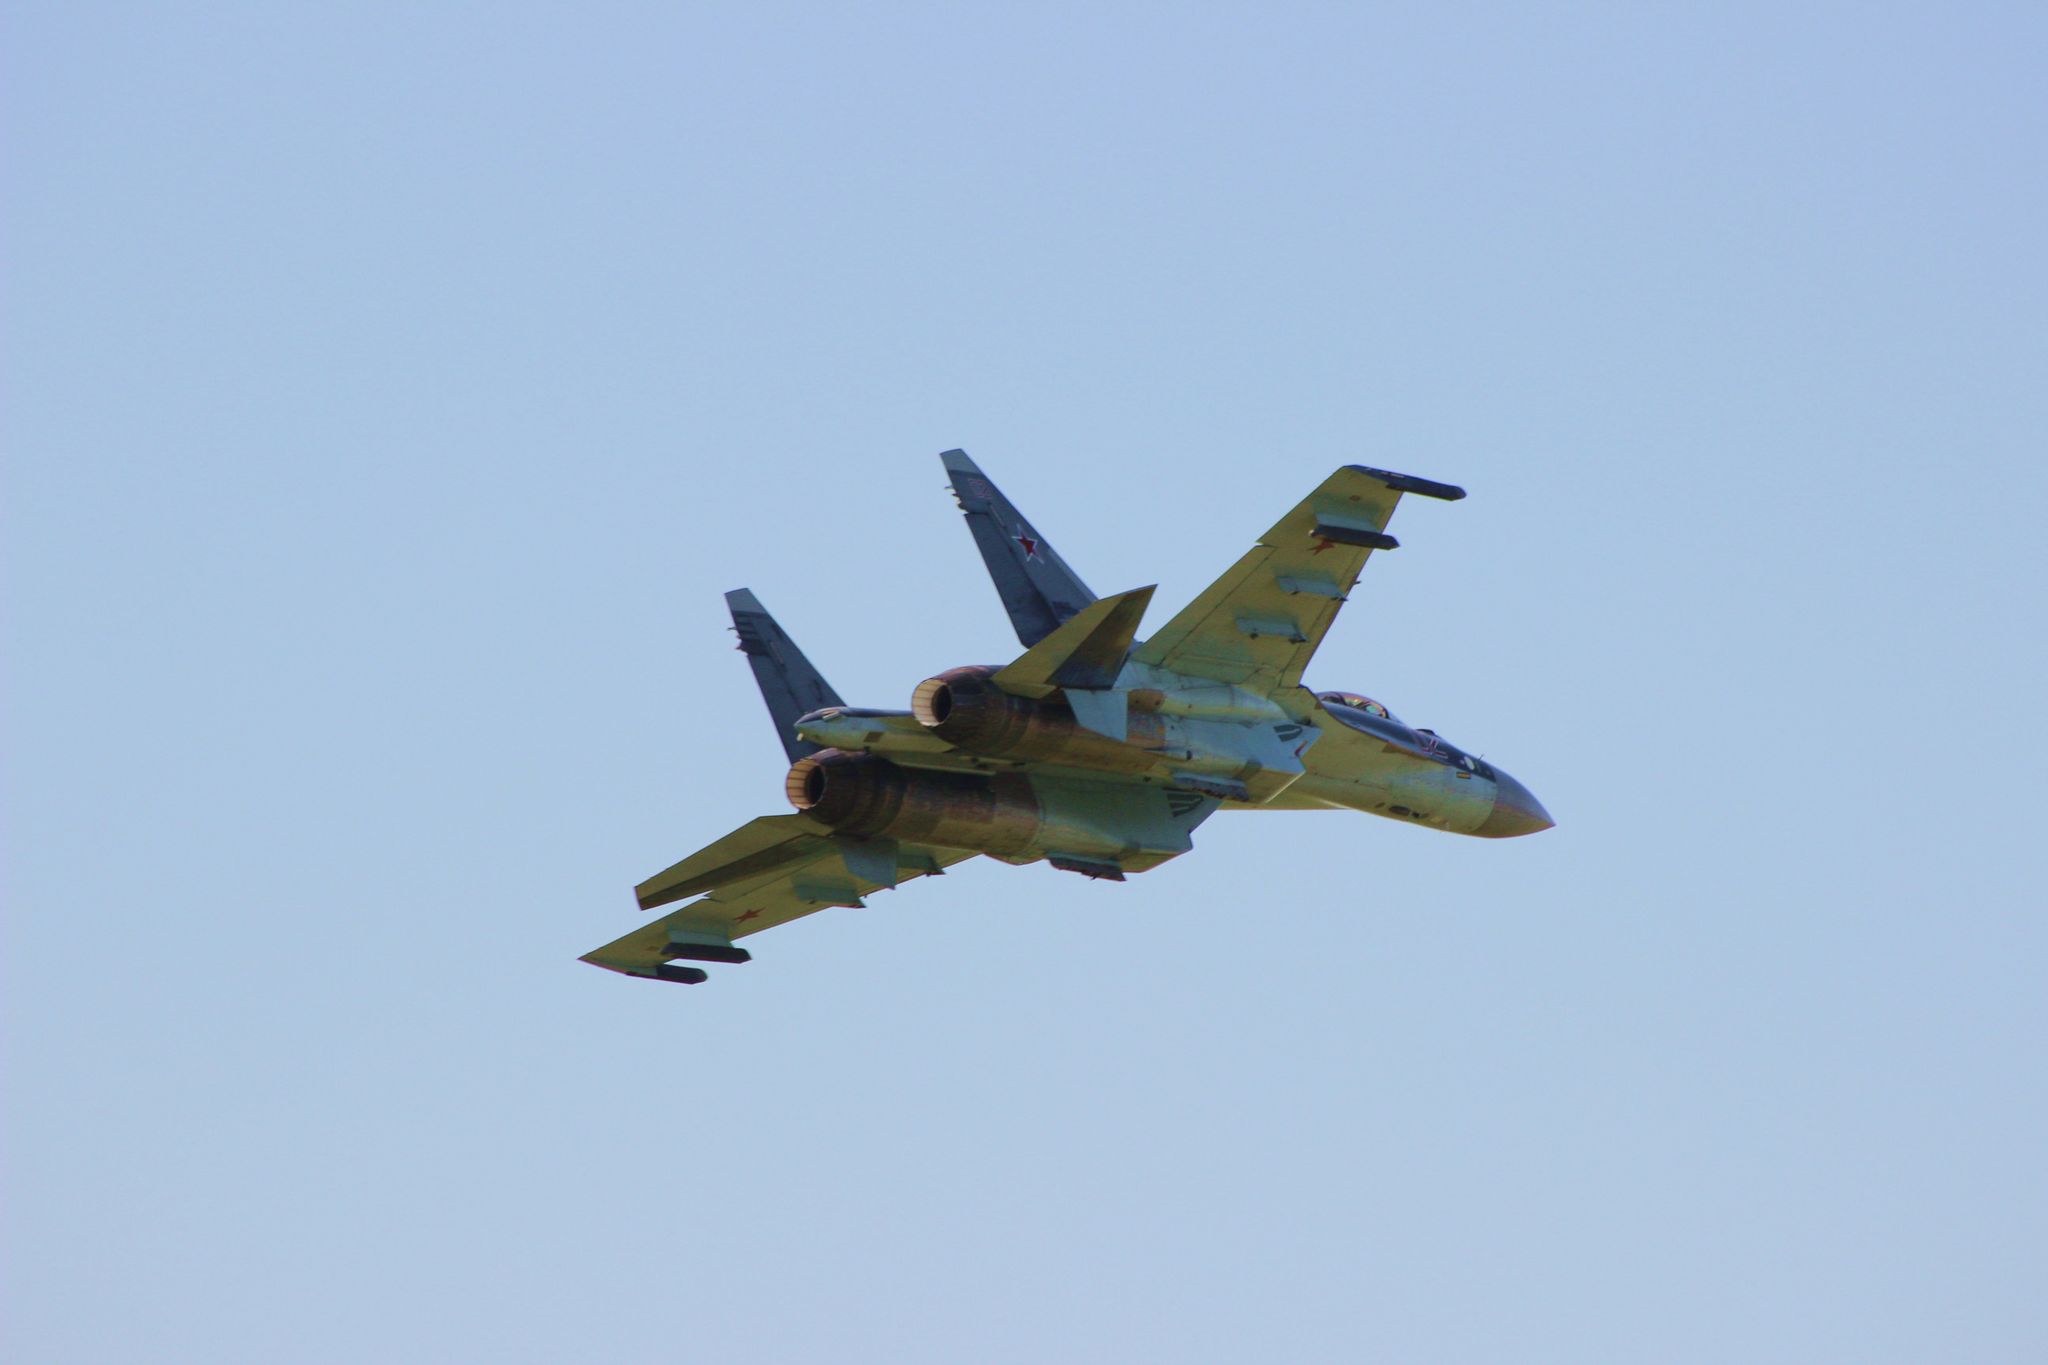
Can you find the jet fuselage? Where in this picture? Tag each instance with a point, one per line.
(1093, 751)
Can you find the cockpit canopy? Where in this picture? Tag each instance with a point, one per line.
(1358, 702)
(1361, 712)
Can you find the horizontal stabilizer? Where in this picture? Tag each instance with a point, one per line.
(1038, 589)
(788, 683)
(1088, 651)
(758, 847)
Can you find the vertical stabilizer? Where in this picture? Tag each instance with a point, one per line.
(789, 684)
(1038, 589)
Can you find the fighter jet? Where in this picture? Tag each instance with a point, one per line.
(1092, 751)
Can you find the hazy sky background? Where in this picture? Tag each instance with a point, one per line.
(392, 391)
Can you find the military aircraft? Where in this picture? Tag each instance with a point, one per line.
(1093, 751)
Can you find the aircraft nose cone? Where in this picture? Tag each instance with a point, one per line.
(1515, 811)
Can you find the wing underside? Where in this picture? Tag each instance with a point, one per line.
(766, 873)
(1258, 624)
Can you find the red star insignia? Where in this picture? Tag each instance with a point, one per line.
(1030, 545)
(751, 914)
(1323, 543)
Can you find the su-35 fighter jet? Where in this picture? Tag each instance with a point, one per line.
(1094, 751)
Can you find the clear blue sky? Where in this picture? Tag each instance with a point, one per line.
(390, 393)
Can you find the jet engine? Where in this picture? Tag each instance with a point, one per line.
(965, 708)
(1084, 825)
(863, 795)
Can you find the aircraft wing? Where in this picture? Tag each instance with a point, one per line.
(1256, 626)
(768, 872)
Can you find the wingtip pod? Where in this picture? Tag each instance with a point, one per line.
(660, 971)
(1410, 483)
(643, 954)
